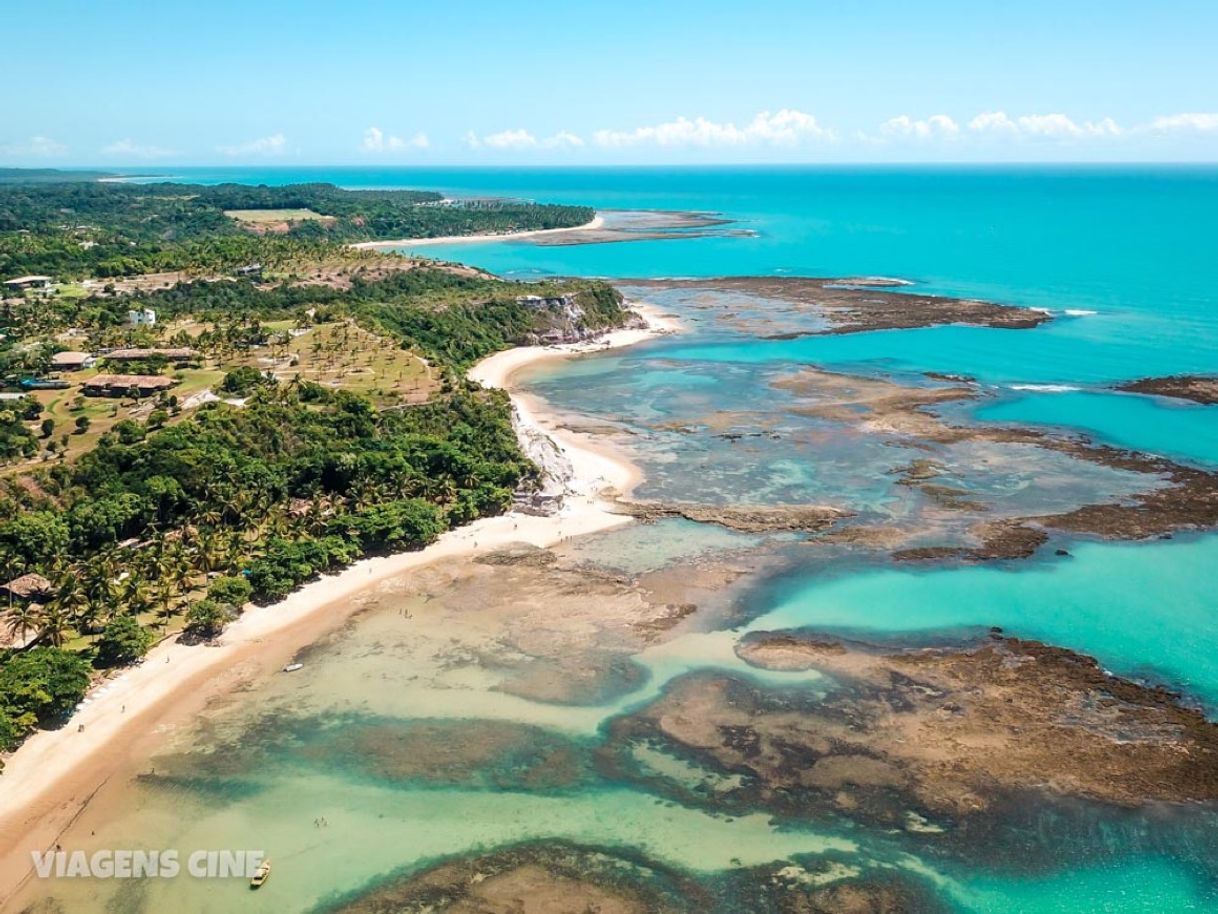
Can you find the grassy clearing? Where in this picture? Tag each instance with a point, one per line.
(266, 216)
(344, 354)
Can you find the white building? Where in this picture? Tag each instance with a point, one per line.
(141, 318)
(21, 283)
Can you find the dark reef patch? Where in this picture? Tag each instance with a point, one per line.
(556, 877)
(1195, 388)
(969, 749)
(853, 308)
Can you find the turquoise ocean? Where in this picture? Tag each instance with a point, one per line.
(1124, 258)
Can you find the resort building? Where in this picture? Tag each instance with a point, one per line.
(21, 283)
(72, 361)
(121, 385)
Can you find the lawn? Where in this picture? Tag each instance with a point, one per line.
(265, 216)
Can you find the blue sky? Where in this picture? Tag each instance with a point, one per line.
(544, 82)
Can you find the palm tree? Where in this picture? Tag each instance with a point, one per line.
(70, 597)
(136, 591)
(99, 585)
(53, 624)
(21, 619)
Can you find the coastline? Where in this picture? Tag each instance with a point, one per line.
(597, 222)
(52, 776)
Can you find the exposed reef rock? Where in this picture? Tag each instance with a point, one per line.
(927, 739)
(556, 877)
(644, 225)
(550, 878)
(1197, 388)
(1176, 496)
(742, 518)
(851, 307)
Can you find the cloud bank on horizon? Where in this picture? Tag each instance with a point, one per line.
(796, 135)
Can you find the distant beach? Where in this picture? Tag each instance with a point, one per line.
(596, 223)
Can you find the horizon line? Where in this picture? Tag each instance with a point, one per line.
(146, 171)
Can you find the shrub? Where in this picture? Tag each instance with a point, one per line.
(208, 618)
(123, 641)
(234, 591)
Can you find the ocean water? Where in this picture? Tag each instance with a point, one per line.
(1128, 252)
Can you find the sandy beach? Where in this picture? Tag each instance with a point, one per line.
(596, 223)
(52, 776)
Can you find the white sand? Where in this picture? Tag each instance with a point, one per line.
(50, 757)
(597, 222)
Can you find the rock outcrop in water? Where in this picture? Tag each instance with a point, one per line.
(555, 877)
(1175, 496)
(849, 307)
(927, 740)
(1197, 388)
(741, 518)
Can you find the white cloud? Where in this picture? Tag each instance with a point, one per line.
(523, 139)
(37, 147)
(133, 150)
(1195, 122)
(375, 140)
(785, 127)
(274, 145)
(1042, 126)
(562, 140)
(510, 139)
(937, 125)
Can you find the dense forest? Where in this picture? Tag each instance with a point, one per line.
(175, 520)
(72, 229)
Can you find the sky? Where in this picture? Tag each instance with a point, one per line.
(542, 82)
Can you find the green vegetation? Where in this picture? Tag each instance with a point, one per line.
(71, 229)
(36, 687)
(272, 216)
(351, 429)
(47, 175)
(123, 641)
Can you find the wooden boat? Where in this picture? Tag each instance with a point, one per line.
(261, 874)
(293, 667)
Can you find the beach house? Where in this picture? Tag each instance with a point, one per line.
(22, 283)
(72, 361)
(121, 385)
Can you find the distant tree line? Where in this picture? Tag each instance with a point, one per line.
(70, 229)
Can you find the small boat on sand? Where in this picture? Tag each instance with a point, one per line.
(293, 667)
(261, 874)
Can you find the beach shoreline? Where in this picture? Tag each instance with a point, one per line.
(50, 779)
(597, 222)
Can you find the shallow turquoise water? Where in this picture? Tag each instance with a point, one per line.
(1130, 249)
(1140, 608)
(1183, 431)
(1146, 887)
